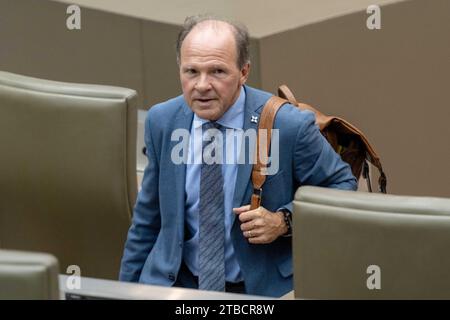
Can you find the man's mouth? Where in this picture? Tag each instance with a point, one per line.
(204, 100)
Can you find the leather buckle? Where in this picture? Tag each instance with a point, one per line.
(257, 192)
(256, 198)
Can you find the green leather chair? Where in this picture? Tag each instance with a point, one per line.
(67, 170)
(26, 275)
(356, 245)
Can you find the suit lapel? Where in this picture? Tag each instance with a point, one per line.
(183, 120)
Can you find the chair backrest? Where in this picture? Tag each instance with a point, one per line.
(356, 245)
(67, 170)
(26, 275)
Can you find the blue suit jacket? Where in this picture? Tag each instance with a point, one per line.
(153, 250)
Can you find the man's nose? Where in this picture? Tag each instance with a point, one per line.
(203, 83)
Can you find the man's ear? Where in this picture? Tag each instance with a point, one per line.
(245, 71)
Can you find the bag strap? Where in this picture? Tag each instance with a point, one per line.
(286, 93)
(267, 119)
(322, 120)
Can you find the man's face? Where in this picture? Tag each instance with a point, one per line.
(210, 77)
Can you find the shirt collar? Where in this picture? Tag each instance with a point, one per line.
(232, 118)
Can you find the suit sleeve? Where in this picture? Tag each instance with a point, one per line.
(146, 221)
(316, 163)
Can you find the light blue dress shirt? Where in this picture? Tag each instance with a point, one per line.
(233, 121)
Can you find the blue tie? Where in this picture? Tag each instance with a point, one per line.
(211, 218)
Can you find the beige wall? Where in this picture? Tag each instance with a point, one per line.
(109, 49)
(34, 41)
(392, 83)
(263, 18)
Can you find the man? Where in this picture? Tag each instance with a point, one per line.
(192, 226)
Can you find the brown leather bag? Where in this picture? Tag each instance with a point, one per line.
(347, 140)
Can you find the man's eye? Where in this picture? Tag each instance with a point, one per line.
(190, 71)
(218, 71)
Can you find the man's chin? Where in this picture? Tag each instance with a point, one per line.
(207, 116)
(206, 113)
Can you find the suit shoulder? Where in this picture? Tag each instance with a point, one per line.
(290, 116)
(166, 108)
(159, 113)
(264, 95)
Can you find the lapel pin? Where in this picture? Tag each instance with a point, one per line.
(254, 119)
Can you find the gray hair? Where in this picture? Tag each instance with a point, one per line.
(240, 35)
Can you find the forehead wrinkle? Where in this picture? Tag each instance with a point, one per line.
(197, 53)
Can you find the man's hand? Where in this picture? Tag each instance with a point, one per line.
(260, 226)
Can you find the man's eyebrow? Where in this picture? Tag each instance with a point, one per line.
(219, 66)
